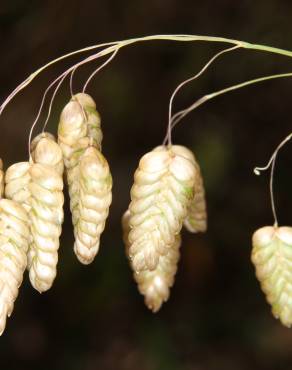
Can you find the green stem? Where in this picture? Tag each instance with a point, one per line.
(246, 83)
(181, 114)
(113, 46)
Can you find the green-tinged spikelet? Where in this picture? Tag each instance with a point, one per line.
(88, 174)
(79, 127)
(90, 200)
(155, 285)
(45, 150)
(272, 257)
(160, 197)
(196, 218)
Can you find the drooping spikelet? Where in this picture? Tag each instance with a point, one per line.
(155, 285)
(79, 127)
(196, 219)
(45, 150)
(46, 217)
(38, 138)
(14, 233)
(17, 179)
(89, 179)
(39, 188)
(161, 195)
(90, 203)
(272, 257)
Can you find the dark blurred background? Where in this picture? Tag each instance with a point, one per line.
(217, 318)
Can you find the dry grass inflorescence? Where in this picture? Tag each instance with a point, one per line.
(167, 194)
(167, 190)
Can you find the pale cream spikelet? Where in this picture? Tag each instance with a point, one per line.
(272, 257)
(162, 191)
(89, 203)
(37, 139)
(2, 179)
(46, 217)
(196, 219)
(39, 189)
(80, 136)
(17, 178)
(14, 233)
(92, 119)
(45, 150)
(155, 285)
(78, 128)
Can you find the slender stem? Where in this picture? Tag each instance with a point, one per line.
(61, 78)
(113, 47)
(181, 114)
(98, 69)
(110, 47)
(249, 82)
(272, 196)
(271, 163)
(202, 70)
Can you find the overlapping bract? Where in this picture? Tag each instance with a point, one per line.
(38, 186)
(14, 233)
(79, 127)
(88, 174)
(92, 201)
(272, 257)
(45, 150)
(46, 216)
(161, 195)
(196, 219)
(167, 192)
(17, 179)
(155, 285)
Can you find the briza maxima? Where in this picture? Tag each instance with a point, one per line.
(91, 201)
(38, 187)
(88, 174)
(272, 257)
(45, 150)
(154, 285)
(196, 218)
(160, 197)
(79, 127)
(14, 234)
